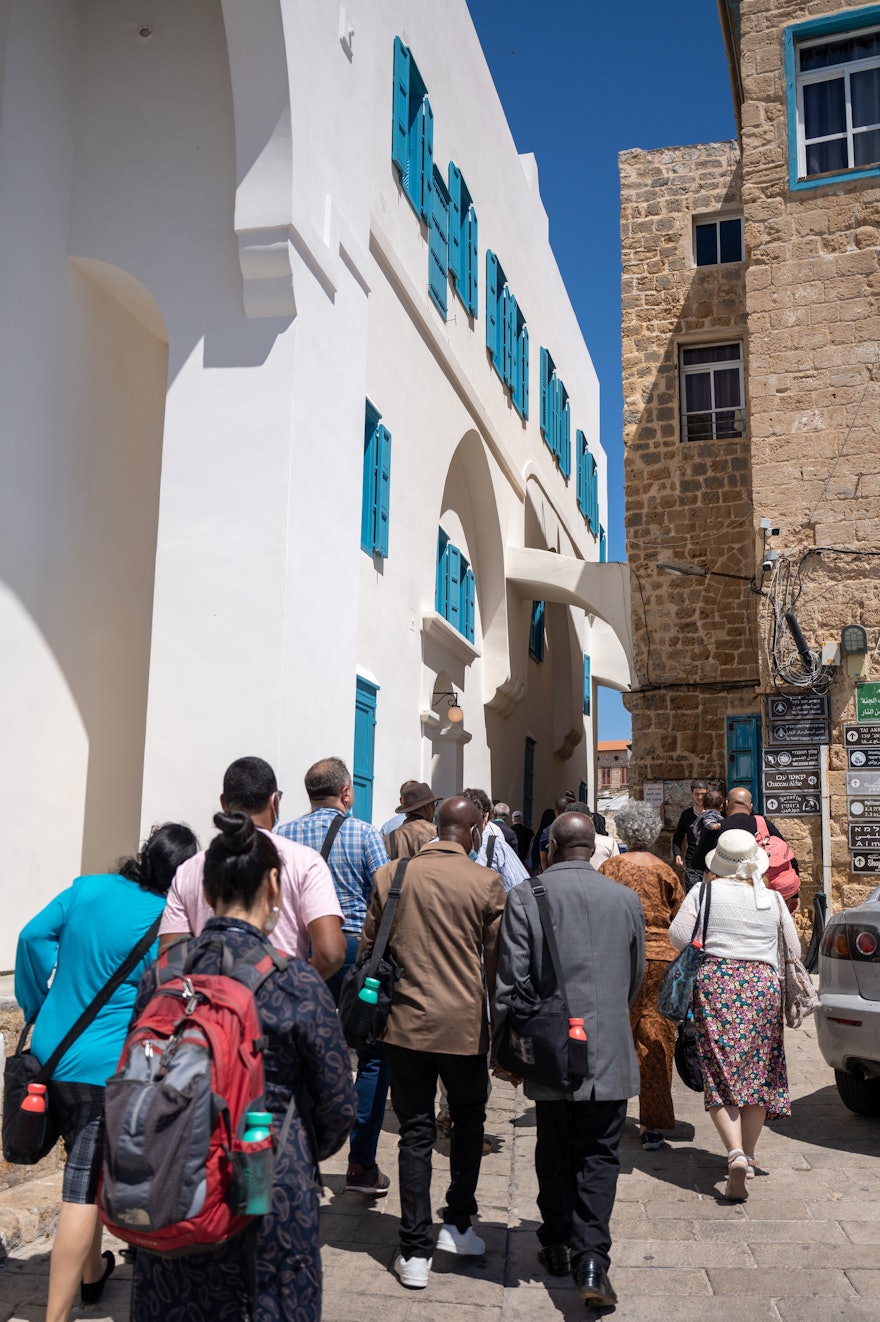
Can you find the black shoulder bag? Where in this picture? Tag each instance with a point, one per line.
(29, 1135)
(534, 1040)
(361, 1021)
(332, 833)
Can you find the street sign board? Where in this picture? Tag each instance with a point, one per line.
(803, 779)
(798, 707)
(800, 732)
(859, 783)
(864, 836)
(793, 805)
(863, 862)
(862, 736)
(868, 702)
(863, 757)
(864, 810)
(780, 759)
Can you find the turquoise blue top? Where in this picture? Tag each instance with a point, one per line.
(86, 931)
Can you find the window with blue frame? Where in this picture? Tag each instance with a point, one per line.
(454, 595)
(529, 781)
(376, 498)
(507, 336)
(555, 415)
(588, 691)
(536, 632)
(603, 546)
(587, 483)
(832, 67)
(463, 247)
(412, 134)
(364, 748)
(438, 243)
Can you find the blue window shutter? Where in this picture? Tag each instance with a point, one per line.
(438, 243)
(506, 315)
(594, 496)
(492, 303)
(456, 267)
(440, 588)
(580, 446)
(603, 546)
(524, 371)
(536, 632)
(744, 756)
(453, 585)
(587, 685)
(468, 595)
(555, 414)
(400, 113)
(427, 159)
(472, 299)
(364, 748)
(565, 442)
(383, 494)
(369, 494)
(545, 398)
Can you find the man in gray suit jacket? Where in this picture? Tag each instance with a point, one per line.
(600, 931)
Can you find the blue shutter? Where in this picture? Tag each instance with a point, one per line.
(580, 446)
(453, 585)
(545, 398)
(565, 441)
(370, 492)
(594, 496)
(438, 243)
(744, 756)
(492, 303)
(427, 160)
(587, 685)
(528, 781)
(603, 546)
(536, 632)
(508, 320)
(383, 492)
(456, 266)
(524, 372)
(400, 111)
(364, 748)
(440, 587)
(556, 414)
(472, 297)
(468, 594)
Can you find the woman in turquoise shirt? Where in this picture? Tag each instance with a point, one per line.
(85, 934)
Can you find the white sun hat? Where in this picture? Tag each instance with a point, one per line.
(739, 855)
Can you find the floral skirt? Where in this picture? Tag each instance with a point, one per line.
(738, 1018)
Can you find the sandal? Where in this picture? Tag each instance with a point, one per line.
(737, 1174)
(752, 1171)
(90, 1293)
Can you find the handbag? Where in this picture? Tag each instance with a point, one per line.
(687, 1056)
(534, 1041)
(363, 1023)
(677, 987)
(799, 996)
(29, 1135)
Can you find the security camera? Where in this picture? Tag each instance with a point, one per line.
(767, 566)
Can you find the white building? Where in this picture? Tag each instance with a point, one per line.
(212, 272)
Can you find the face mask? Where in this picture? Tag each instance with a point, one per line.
(474, 855)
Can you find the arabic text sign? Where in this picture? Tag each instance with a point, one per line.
(792, 805)
(798, 707)
(863, 757)
(802, 779)
(864, 835)
(861, 736)
(799, 732)
(782, 759)
(859, 783)
(868, 702)
(865, 863)
(864, 810)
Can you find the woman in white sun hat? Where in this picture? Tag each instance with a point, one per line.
(737, 999)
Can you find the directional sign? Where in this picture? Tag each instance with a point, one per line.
(793, 805)
(804, 779)
(865, 863)
(798, 707)
(868, 702)
(861, 736)
(860, 783)
(802, 732)
(863, 757)
(864, 810)
(781, 759)
(864, 835)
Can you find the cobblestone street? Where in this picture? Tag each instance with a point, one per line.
(802, 1249)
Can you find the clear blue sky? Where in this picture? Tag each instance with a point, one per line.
(580, 81)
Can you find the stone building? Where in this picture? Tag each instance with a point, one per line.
(751, 344)
(613, 757)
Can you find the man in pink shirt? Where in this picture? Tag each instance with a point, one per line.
(310, 911)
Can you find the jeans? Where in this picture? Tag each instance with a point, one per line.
(371, 1083)
(577, 1164)
(414, 1077)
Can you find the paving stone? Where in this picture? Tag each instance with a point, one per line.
(845, 1257)
(822, 1309)
(827, 1282)
(867, 1283)
(684, 1253)
(754, 1231)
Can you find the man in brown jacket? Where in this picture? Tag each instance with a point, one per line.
(417, 801)
(445, 935)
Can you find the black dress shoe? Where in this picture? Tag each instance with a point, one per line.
(593, 1284)
(554, 1258)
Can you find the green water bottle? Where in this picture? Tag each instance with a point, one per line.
(257, 1126)
(370, 991)
(257, 1167)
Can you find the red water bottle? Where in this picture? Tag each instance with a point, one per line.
(35, 1099)
(29, 1132)
(576, 1029)
(577, 1051)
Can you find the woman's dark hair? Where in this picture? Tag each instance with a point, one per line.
(153, 870)
(237, 861)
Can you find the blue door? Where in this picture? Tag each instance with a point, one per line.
(364, 748)
(744, 756)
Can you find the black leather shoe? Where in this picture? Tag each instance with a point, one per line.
(593, 1284)
(554, 1259)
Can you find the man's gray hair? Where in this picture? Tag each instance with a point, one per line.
(327, 779)
(638, 825)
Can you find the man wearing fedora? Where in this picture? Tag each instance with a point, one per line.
(417, 803)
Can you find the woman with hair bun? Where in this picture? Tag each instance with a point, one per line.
(85, 934)
(305, 1057)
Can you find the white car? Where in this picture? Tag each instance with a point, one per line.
(848, 1018)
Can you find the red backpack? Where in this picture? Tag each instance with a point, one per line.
(190, 1069)
(781, 876)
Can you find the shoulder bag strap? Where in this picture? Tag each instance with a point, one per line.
(490, 850)
(546, 919)
(391, 844)
(332, 833)
(103, 996)
(705, 891)
(387, 918)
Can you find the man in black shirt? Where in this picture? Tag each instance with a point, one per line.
(685, 836)
(739, 818)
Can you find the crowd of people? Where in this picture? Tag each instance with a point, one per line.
(474, 889)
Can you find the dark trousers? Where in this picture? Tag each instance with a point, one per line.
(414, 1076)
(692, 877)
(371, 1084)
(577, 1164)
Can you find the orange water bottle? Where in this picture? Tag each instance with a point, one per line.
(576, 1030)
(35, 1099)
(577, 1051)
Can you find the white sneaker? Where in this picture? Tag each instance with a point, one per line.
(413, 1272)
(466, 1243)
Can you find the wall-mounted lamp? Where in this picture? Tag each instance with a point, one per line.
(854, 646)
(454, 712)
(686, 570)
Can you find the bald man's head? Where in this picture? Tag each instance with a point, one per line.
(739, 801)
(460, 820)
(572, 838)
